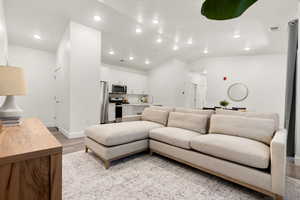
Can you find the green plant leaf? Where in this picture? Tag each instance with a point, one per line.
(225, 9)
(224, 103)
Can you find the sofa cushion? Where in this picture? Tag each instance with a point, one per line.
(240, 150)
(154, 115)
(193, 122)
(253, 128)
(273, 116)
(208, 113)
(121, 133)
(173, 136)
(195, 111)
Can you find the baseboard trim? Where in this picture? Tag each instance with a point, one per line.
(78, 134)
(63, 131)
(71, 135)
(47, 123)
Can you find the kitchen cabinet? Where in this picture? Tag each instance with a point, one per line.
(138, 91)
(134, 109)
(137, 88)
(125, 110)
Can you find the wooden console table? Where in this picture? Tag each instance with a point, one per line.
(30, 163)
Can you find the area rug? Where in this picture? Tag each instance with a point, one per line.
(145, 177)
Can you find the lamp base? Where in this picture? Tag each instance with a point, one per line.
(10, 109)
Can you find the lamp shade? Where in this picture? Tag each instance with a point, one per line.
(12, 81)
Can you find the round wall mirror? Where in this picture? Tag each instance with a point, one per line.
(237, 92)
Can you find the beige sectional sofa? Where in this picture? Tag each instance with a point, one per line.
(243, 147)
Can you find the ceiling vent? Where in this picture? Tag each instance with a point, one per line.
(274, 28)
(122, 60)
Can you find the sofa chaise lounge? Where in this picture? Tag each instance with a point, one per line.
(246, 148)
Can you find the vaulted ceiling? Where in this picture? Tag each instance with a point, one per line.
(184, 33)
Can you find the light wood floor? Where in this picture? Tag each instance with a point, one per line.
(73, 145)
(69, 145)
(292, 170)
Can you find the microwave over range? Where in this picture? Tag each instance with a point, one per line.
(120, 89)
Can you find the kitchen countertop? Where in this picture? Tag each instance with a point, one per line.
(133, 104)
(137, 104)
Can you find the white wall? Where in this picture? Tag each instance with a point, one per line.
(79, 61)
(84, 77)
(265, 76)
(166, 83)
(3, 36)
(62, 82)
(38, 68)
(3, 41)
(130, 77)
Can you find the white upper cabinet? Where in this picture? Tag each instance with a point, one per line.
(136, 81)
(137, 86)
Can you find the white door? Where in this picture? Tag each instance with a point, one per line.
(190, 95)
(195, 95)
(58, 98)
(201, 102)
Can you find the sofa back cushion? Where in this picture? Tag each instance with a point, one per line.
(189, 121)
(273, 116)
(208, 113)
(258, 129)
(155, 115)
(195, 111)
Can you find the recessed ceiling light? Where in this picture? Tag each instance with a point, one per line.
(159, 40)
(190, 41)
(205, 51)
(131, 58)
(175, 47)
(97, 18)
(236, 36)
(155, 21)
(147, 62)
(204, 71)
(138, 30)
(111, 52)
(37, 37)
(247, 48)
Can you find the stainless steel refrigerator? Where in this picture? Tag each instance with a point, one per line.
(104, 102)
(291, 88)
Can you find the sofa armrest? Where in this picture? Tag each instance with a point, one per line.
(130, 118)
(278, 162)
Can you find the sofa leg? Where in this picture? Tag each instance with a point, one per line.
(106, 164)
(86, 149)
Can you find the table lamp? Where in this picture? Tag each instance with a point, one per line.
(12, 83)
